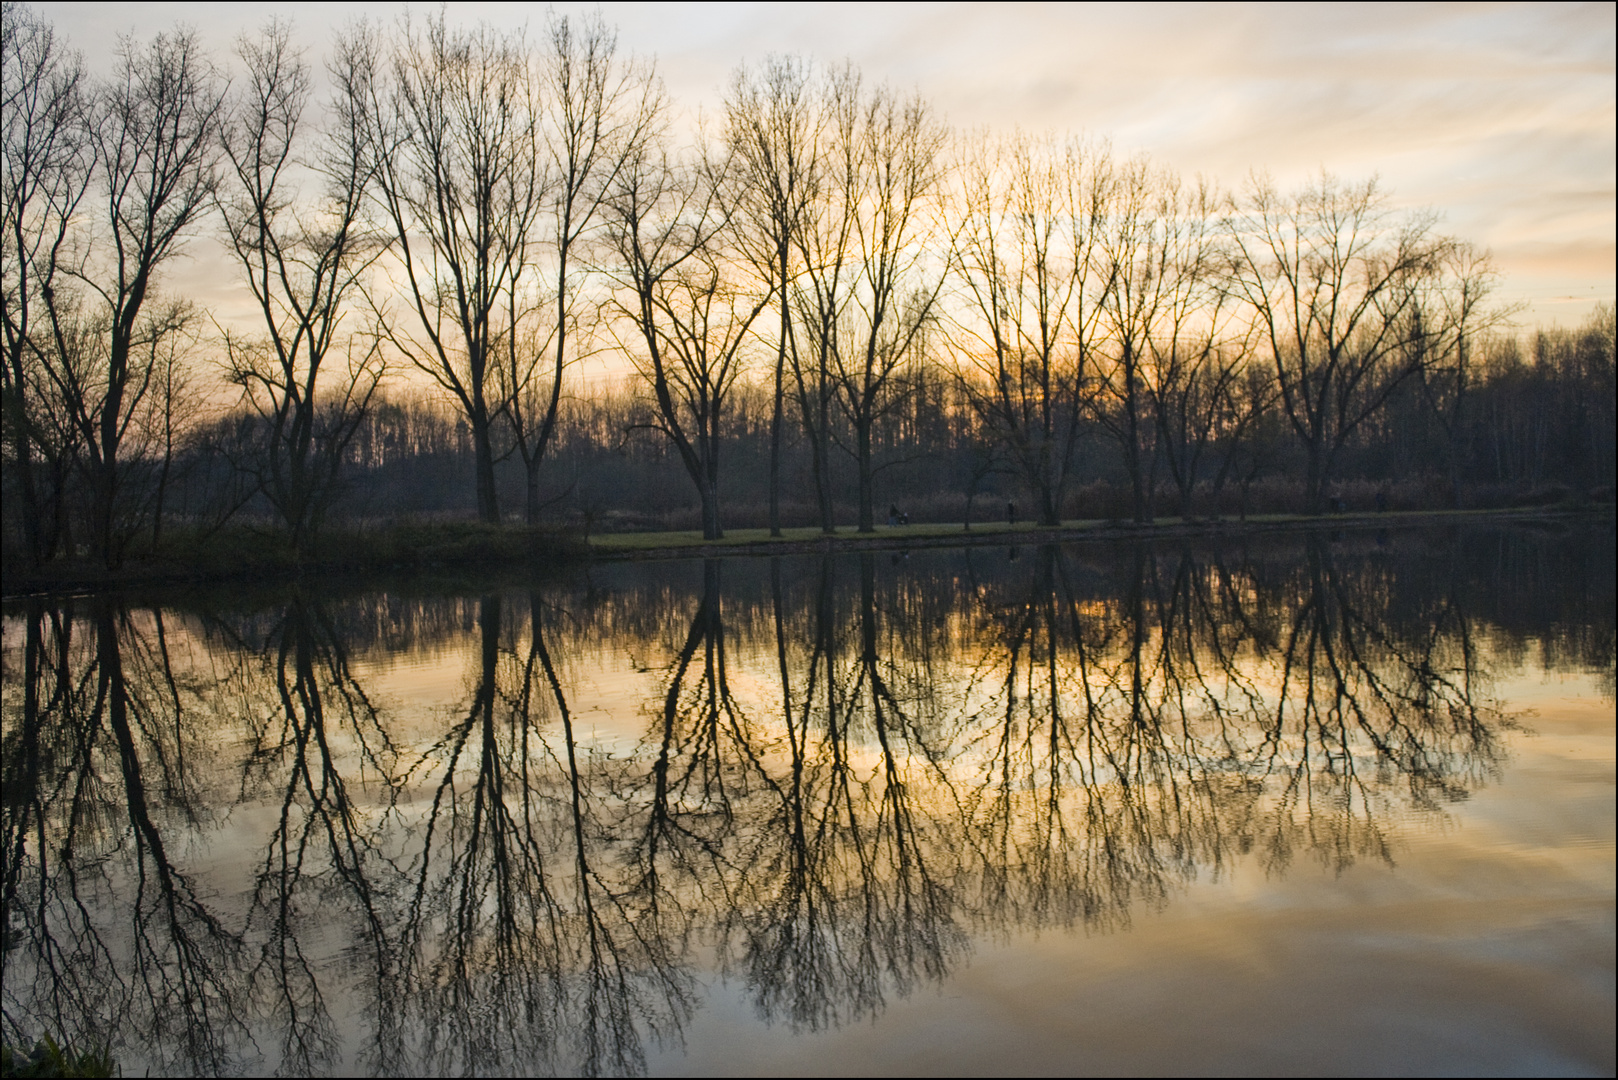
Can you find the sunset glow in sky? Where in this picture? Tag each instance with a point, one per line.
(1499, 116)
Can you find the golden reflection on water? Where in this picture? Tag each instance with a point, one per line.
(526, 830)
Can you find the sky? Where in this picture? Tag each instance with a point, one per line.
(1500, 117)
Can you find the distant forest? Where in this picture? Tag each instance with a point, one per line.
(502, 279)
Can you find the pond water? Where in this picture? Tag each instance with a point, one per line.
(1306, 803)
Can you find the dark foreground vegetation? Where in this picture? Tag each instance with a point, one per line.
(49, 1059)
(242, 553)
(488, 276)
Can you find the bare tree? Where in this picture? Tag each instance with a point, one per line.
(1025, 255)
(597, 109)
(46, 175)
(1198, 352)
(1333, 277)
(172, 406)
(462, 178)
(824, 287)
(1147, 280)
(302, 261)
(1206, 395)
(153, 135)
(1455, 316)
(772, 127)
(687, 303)
(889, 168)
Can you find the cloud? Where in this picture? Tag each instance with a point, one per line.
(1500, 116)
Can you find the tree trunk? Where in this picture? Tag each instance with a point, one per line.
(1049, 511)
(780, 401)
(1132, 456)
(108, 436)
(32, 516)
(531, 503)
(709, 489)
(775, 445)
(862, 434)
(1315, 481)
(828, 523)
(483, 451)
(162, 491)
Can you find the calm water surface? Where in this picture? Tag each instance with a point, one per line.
(1307, 804)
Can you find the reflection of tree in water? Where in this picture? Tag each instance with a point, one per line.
(798, 837)
(494, 942)
(318, 753)
(1079, 810)
(1137, 744)
(103, 755)
(1368, 706)
(522, 953)
(844, 771)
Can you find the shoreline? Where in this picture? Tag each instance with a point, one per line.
(621, 547)
(425, 552)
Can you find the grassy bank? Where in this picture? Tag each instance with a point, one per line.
(649, 545)
(246, 554)
(451, 553)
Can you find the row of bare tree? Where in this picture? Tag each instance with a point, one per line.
(430, 213)
(492, 212)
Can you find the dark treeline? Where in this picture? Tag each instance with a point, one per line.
(232, 844)
(492, 279)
